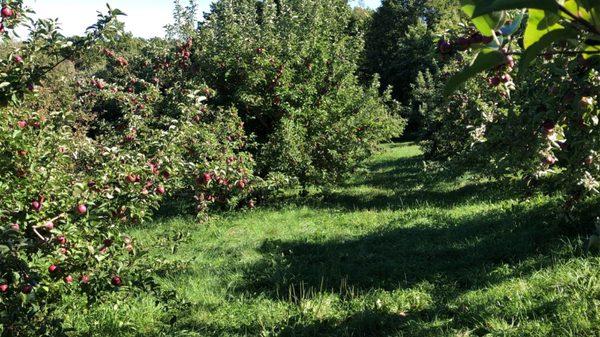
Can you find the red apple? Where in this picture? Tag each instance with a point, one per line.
(107, 242)
(18, 59)
(84, 279)
(3, 288)
(550, 160)
(207, 177)
(69, 279)
(53, 268)
(49, 225)
(36, 205)
(15, 227)
(26, 289)
(131, 178)
(22, 124)
(82, 209)
(61, 240)
(116, 281)
(494, 81)
(160, 190)
(7, 12)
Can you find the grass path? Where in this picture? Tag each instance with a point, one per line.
(393, 252)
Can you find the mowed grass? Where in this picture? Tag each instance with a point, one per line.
(395, 251)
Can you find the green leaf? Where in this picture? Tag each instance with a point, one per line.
(486, 24)
(483, 7)
(487, 59)
(544, 42)
(513, 26)
(592, 51)
(539, 24)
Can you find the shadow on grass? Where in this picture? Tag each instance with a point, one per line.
(461, 252)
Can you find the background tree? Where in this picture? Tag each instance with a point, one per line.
(400, 43)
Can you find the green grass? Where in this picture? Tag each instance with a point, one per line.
(396, 251)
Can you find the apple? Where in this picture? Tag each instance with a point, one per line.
(166, 174)
(129, 247)
(160, 190)
(462, 43)
(107, 242)
(116, 281)
(82, 209)
(550, 160)
(444, 46)
(251, 203)
(26, 289)
(130, 178)
(61, 240)
(49, 225)
(18, 59)
(207, 177)
(36, 205)
(506, 78)
(3, 288)
(241, 184)
(586, 102)
(548, 127)
(53, 268)
(6, 12)
(63, 250)
(15, 227)
(69, 279)
(22, 124)
(84, 279)
(494, 81)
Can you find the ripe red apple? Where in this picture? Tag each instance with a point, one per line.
(116, 281)
(3, 288)
(166, 174)
(548, 127)
(53, 268)
(49, 225)
(69, 279)
(506, 78)
(84, 279)
(494, 81)
(61, 240)
(160, 190)
(15, 227)
(550, 160)
(26, 289)
(241, 184)
(462, 43)
(7, 12)
(207, 177)
(130, 178)
(36, 205)
(22, 124)
(444, 46)
(82, 209)
(18, 59)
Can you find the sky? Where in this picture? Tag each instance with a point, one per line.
(145, 18)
